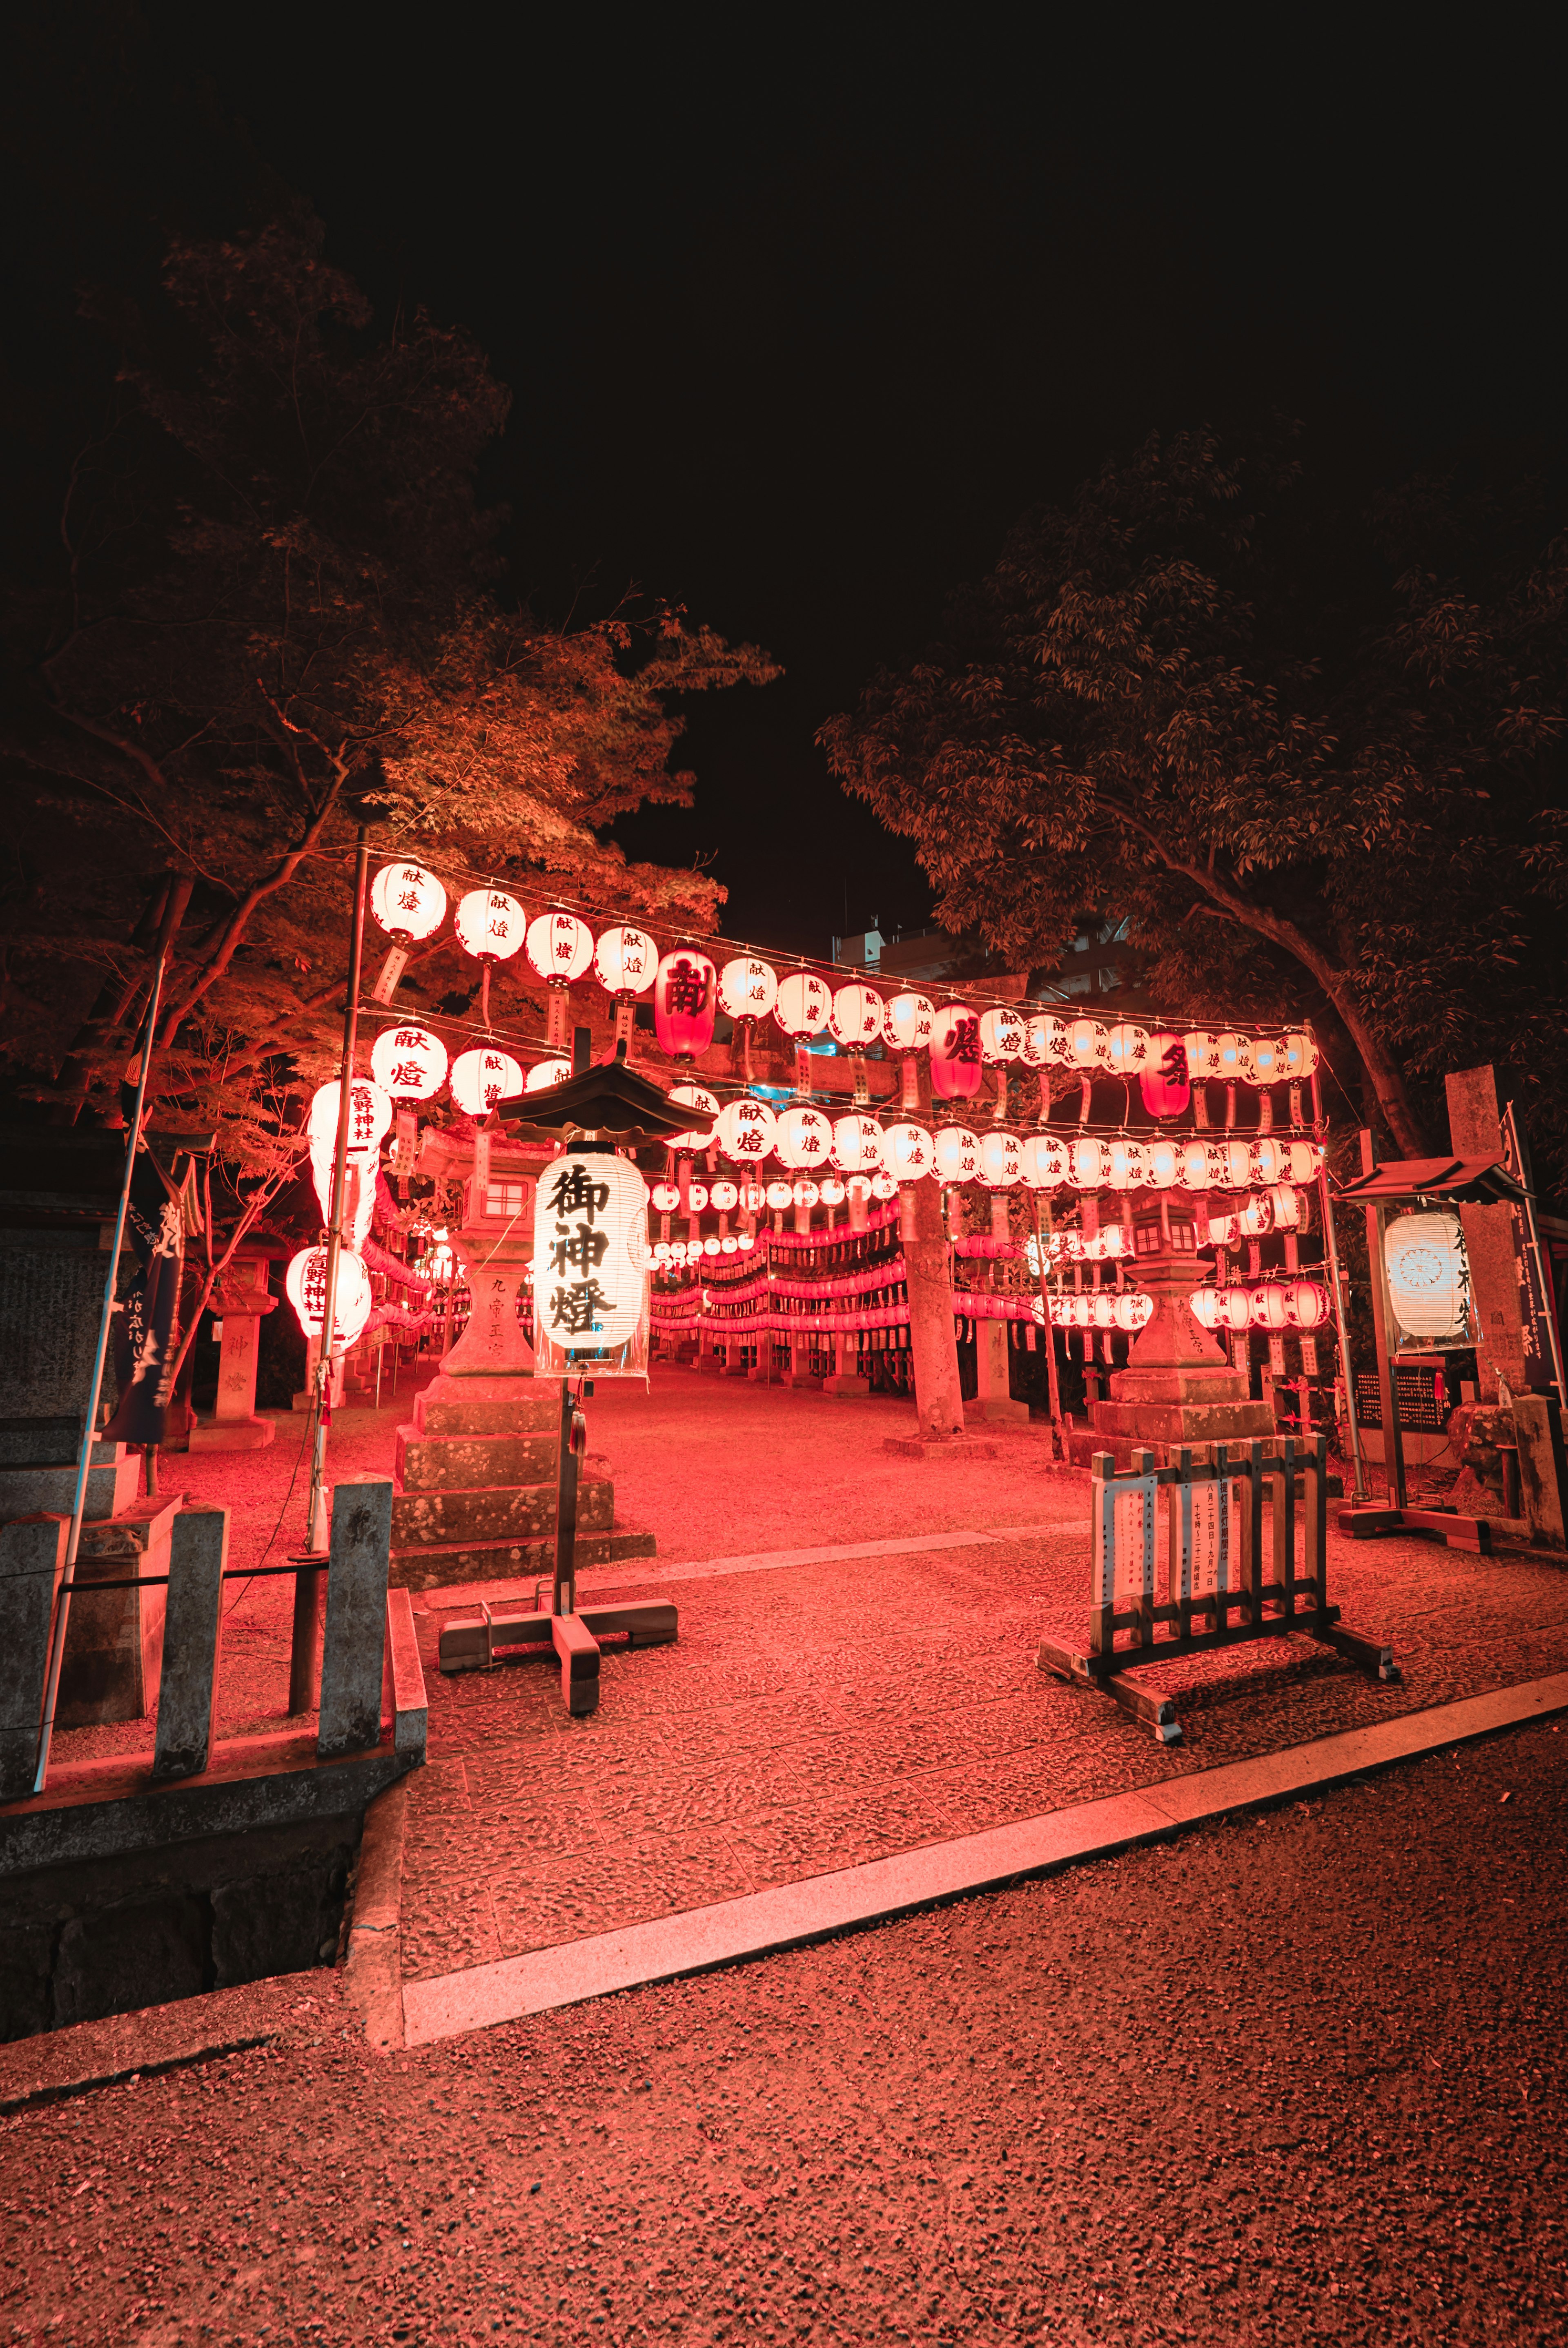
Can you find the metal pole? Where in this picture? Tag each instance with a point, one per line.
(303, 1665)
(179, 898)
(1342, 1329)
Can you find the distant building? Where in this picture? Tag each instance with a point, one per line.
(1099, 962)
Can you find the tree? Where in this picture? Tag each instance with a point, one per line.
(1312, 748)
(275, 588)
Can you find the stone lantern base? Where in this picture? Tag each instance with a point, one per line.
(1177, 1387)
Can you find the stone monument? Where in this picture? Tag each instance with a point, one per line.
(1177, 1387)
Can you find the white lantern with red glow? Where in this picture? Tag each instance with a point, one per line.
(1232, 1309)
(1203, 1055)
(1089, 1046)
(1303, 1160)
(1163, 1080)
(805, 1138)
(747, 1131)
(696, 1197)
(1230, 1057)
(1133, 1312)
(1307, 1304)
(855, 1018)
(306, 1286)
(1103, 1309)
(1164, 1164)
(591, 1258)
(558, 947)
(909, 1152)
(779, 1194)
(1001, 1159)
(1045, 1162)
(1298, 1057)
(491, 925)
(409, 1062)
(805, 1005)
(724, 1197)
(833, 1192)
(907, 1022)
(1269, 1162)
(883, 1186)
(1091, 1162)
(956, 1052)
(1268, 1308)
(545, 1074)
(748, 988)
(857, 1144)
(955, 1152)
(1003, 1034)
(1128, 1050)
(1235, 1161)
(1254, 1218)
(753, 1197)
(1129, 1168)
(1045, 1041)
(408, 903)
(803, 1191)
(1200, 1167)
(482, 1077)
(1205, 1305)
(666, 1198)
(625, 960)
(1267, 1061)
(685, 993)
(369, 1116)
(701, 1135)
(1428, 1274)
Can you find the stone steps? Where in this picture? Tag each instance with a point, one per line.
(433, 1567)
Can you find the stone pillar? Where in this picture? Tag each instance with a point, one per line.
(993, 1403)
(938, 1406)
(353, 1650)
(192, 1642)
(1177, 1387)
(240, 1300)
(32, 1562)
(1475, 1131)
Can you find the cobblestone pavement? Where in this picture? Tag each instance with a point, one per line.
(1299, 2077)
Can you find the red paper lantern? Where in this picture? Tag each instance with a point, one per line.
(1164, 1081)
(956, 1053)
(683, 1001)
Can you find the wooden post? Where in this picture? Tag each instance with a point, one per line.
(938, 1401)
(353, 1650)
(32, 1565)
(192, 1642)
(1382, 1324)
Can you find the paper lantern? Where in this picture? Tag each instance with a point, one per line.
(1285, 1206)
(833, 1192)
(748, 988)
(1129, 1049)
(482, 1077)
(956, 1053)
(590, 1254)
(1267, 1061)
(1203, 1055)
(1045, 1041)
(1307, 1303)
(1001, 1159)
(724, 1197)
(1089, 1046)
(1206, 1304)
(956, 1153)
(1133, 1312)
(883, 1186)
(1236, 1161)
(1298, 1057)
(1303, 1159)
(558, 947)
(1268, 1308)
(1268, 1160)
(685, 995)
(1230, 1054)
(666, 1198)
(907, 1021)
(805, 1005)
(703, 1125)
(1163, 1165)
(780, 1194)
(625, 962)
(747, 1131)
(696, 1197)
(1232, 1309)
(408, 903)
(909, 1152)
(1129, 1167)
(306, 1286)
(1221, 1231)
(1103, 1309)
(546, 1073)
(857, 1144)
(1091, 1163)
(1429, 1280)
(1044, 1162)
(359, 1177)
(855, 1018)
(1201, 1168)
(754, 1195)
(1081, 1309)
(805, 1138)
(712, 1244)
(1002, 1034)
(1163, 1080)
(409, 1062)
(803, 1191)
(728, 1245)
(369, 1116)
(1255, 1219)
(491, 925)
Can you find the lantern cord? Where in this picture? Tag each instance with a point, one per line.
(321, 1401)
(178, 899)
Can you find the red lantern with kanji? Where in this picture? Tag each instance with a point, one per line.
(685, 991)
(1163, 1080)
(956, 1052)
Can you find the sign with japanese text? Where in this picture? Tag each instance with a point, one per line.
(590, 1261)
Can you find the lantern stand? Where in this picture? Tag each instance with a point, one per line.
(1484, 1181)
(600, 1105)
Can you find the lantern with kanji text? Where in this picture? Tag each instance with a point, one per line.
(956, 1052)
(408, 903)
(409, 1062)
(684, 999)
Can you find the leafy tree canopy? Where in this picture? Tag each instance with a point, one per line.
(274, 586)
(1311, 746)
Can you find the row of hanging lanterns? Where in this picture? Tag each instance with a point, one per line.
(1277, 1305)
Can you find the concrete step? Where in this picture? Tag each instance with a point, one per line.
(432, 1567)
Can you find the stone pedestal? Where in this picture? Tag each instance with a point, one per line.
(993, 1405)
(240, 1301)
(114, 1641)
(1178, 1386)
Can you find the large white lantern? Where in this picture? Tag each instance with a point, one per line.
(369, 1116)
(558, 947)
(544, 1073)
(491, 925)
(1429, 1279)
(856, 1145)
(747, 1129)
(804, 1139)
(907, 1021)
(805, 1005)
(409, 1062)
(590, 1259)
(305, 1285)
(408, 902)
(481, 1077)
(1001, 1159)
(748, 988)
(1002, 1034)
(625, 962)
(957, 1154)
(701, 1134)
(909, 1152)
(855, 1018)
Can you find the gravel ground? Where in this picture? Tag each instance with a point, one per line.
(1299, 2077)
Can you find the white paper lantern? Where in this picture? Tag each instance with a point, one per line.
(591, 1253)
(780, 1194)
(1164, 1164)
(1129, 1167)
(1133, 1312)
(804, 1192)
(1128, 1050)
(855, 1019)
(1302, 1161)
(1236, 1159)
(666, 1198)
(884, 1187)
(747, 1131)
(1202, 1051)
(1001, 1159)
(408, 903)
(857, 1144)
(907, 1022)
(1044, 1162)
(305, 1285)
(1269, 1160)
(956, 1153)
(909, 1152)
(1297, 1056)
(832, 1192)
(481, 1077)
(804, 1004)
(625, 960)
(545, 1074)
(558, 947)
(748, 988)
(1091, 1162)
(491, 926)
(409, 1062)
(1230, 1057)
(1268, 1060)
(724, 1197)
(1428, 1280)
(369, 1117)
(805, 1138)
(1089, 1046)
(1047, 1043)
(707, 1107)
(696, 1197)
(1002, 1034)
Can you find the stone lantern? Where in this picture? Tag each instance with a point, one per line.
(1177, 1388)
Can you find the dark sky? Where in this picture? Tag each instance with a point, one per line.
(801, 309)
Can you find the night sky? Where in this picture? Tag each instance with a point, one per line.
(799, 312)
